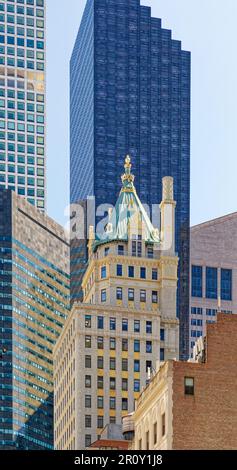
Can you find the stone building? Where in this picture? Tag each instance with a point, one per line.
(192, 405)
(126, 324)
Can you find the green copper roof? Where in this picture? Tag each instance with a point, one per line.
(129, 215)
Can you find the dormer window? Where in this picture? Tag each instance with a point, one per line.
(150, 252)
(106, 251)
(137, 245)
(121, 250)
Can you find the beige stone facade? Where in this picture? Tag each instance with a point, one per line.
(126, 324)
(213, 245)
(192, 405)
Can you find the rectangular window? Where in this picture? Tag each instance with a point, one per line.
(100, 362)
(100, 422)
(119, 293)
(88, 321)
(88, 341)
(88, 381)
(112, 403)
(162, 334)
(149, 327)
(120, 250)
(140, 444)
(136, 366)
(136, 326)
(130, 271)
(112, 363)
(150, 252)
(142, 296)
(162, 354)
(88, 401)
(100, 403)
(226, 284)
(136, 386)
(100, 323)
(87, 440)
(124, 344)
(100, 382)
(143, 273)
(163, 430)
(112, 324)
(124, 365)
(154, 297)
(119, 270)
(149, 347)
(103, 295)
(189, 386)
(124, 404)
(103, 272)
(131, 295)
(106, 251)
(100, 342)
(125, 385)
(88, 362)
(196, 281)
(154, 274)
(112, 342)
(88, 421)
(124, 324)
(112, 383)
(211, 283)
(148, 366)
(136, 345)
(155, 433)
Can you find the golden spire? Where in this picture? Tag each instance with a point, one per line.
(128, 178)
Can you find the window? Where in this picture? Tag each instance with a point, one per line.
(112, 383)
(226, 284)
(112, 342)
(189, 386)
(112, 403)
(130, 271)
(136, 365)
(100, 382)
(103, 295)
(149, 327)
(136, 386)
(147, 440)
(100, 342)
(196, 281)
(155, 433)
(149, 347)
(87, 440)
(100, 422)
(143, 273)
(119, 270)
(124, 324)
(119, 293)
(136, 345)
(154, 274)
(100, 362)
(211, 283)
(131, 295)
(88, 321)
(124, 365)
(100, 323)
(112, 363)
(140, 444)
(154, 297)
(148, 366)
(142, 296)
(150, 252)
(136, 326)
(124, 404)
(162, 334)
(112, 419)
(88, 362)
(120, 250)
(88, 421)
(112, 324)
(163, 430)
(124, 344)
(88, 341)
(88, 381)
(103, 272)
(125, 385)
(106, 251)
(88, 401)
(162, 354)
(100, 403)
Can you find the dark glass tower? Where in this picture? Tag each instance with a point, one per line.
(130, 93)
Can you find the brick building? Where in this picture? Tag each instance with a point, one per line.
(192, 405)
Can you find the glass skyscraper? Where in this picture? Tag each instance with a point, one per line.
(130, 94)
(34, 303)
(22, 98)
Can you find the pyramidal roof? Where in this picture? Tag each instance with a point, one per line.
(129, 217)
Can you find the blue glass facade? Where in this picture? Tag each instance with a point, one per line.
(130, 93)
(34, 302)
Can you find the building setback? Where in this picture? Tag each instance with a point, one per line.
(34, 292)
(213, 282)
(130, 93)
(192, 405)
(126, 323)
(22, 99)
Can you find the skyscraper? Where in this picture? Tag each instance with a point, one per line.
(130, 93)
(22, 98)
(34, 303)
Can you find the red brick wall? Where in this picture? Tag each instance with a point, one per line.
(208, 420)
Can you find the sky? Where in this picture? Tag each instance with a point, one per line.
(208, 29)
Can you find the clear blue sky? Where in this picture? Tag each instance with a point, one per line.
(208, 29)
